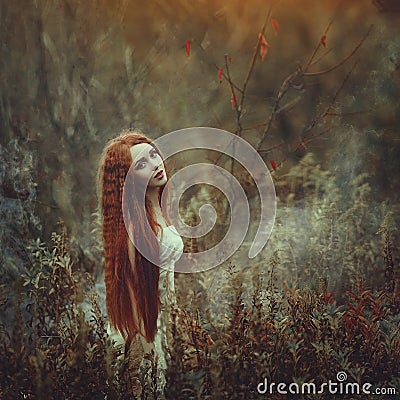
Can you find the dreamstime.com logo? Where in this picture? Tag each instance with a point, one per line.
(340, 387)
(225, 143)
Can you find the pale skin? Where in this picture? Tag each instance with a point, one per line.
(147, 164)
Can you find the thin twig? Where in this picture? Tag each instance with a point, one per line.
(272, 148)
(228, 73)
(254, 58)
(318, 46)
(229, 79)
(322, 57)
(301, 72)
(339, 64)
(282, 91)
(332, 102)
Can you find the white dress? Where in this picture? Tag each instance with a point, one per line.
(171, 249)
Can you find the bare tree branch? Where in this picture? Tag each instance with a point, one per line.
(339, 64)
(301, 73)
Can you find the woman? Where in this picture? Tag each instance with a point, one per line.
(138, 292)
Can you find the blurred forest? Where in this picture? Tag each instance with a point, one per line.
(74, 74)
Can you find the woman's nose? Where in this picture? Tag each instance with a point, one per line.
(156, 164)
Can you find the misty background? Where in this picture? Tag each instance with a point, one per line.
(74, 74)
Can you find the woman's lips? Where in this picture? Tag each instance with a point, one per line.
(159, 175)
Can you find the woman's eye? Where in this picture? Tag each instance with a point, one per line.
(153, 154)
(141, 165)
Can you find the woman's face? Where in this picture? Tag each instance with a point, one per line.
(148, 165)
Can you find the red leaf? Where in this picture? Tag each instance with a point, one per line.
(273, 165)
(264, 46)
(233, 101)
(220, 71)
(229, 59)
(187, 44)
(275, 25)
(323, 40)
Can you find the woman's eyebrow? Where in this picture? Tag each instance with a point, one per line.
(144, 158)
(140, 160)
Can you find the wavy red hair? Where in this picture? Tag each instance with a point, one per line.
(132, 293)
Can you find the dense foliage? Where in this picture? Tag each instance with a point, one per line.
(283, 318)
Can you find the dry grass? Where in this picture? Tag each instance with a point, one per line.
(323, 301)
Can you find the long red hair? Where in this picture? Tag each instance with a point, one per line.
(127, 285)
